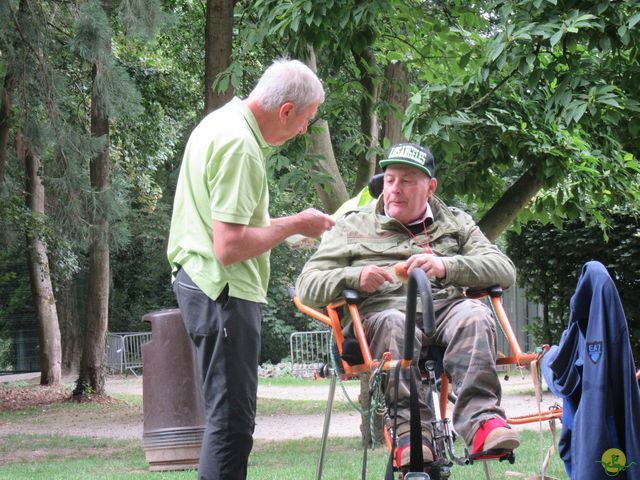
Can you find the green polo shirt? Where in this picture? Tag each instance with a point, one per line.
(222, 177)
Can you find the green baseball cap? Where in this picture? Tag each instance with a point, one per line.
(411, 154)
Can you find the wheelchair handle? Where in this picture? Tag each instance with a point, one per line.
(418, 284)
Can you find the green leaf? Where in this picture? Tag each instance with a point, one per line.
(444, 134)
(556, 37)
(534, 78)
(634, 20)
(585, 17)
(531, 58)
(608, 101)
(496, 51)
(464, 60)
(223, 84)
(523, 66)
(579, 112)
(295, 23)
(344, 20)
(605, 43)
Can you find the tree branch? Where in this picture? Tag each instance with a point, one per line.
(514, 199)
(486, 96)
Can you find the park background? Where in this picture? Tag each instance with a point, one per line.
(531, 107)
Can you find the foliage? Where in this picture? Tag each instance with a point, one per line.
(498, 88)
(280, 317)
(550, 260)
(141, 274)
(544, 87)
(7, 354)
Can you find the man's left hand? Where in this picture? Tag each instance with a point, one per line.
(432, 265)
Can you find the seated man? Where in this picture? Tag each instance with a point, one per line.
(410, 224)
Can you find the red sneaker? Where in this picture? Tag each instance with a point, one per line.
(403, 450)
(495, 434)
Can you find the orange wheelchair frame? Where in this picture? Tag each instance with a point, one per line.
(332, 319)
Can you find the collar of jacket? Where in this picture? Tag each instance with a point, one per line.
(444, 222)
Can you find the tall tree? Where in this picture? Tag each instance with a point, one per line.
(218, 42)
(91, 378)
(112, 96)
(99, 262)
(28, 46)
(39, 273)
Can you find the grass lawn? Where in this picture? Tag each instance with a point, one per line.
(69, 458)
(66, 457)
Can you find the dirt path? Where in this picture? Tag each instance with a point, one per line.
(518, 399)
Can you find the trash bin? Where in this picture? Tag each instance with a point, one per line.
(171, 395)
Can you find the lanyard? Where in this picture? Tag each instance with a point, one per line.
(425, 246)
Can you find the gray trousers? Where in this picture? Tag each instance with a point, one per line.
(467, 330)
(226, 336)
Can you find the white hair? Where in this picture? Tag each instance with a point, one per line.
(287, 81)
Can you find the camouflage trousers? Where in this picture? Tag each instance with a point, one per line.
(467, 331)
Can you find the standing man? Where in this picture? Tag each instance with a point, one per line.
(219, 244)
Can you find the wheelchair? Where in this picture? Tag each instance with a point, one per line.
(354, 357)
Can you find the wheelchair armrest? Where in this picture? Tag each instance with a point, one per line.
(351, 296)
(493, 291)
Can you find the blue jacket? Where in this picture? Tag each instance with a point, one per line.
(593, 371)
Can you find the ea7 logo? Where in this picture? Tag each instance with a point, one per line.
(595, 351)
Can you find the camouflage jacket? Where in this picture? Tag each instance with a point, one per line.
(365, 236)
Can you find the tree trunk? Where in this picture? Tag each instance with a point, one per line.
(321, 145)
(70, 332)
(218, 40)
(505, 210)
(397, 99)
(39, 274)
(368, 116)
(5, 113)
(91, 378)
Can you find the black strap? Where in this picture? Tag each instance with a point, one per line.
(394, 437)
(417, 460)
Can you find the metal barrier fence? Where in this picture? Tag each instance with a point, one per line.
(309, 351)
(124, 351)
